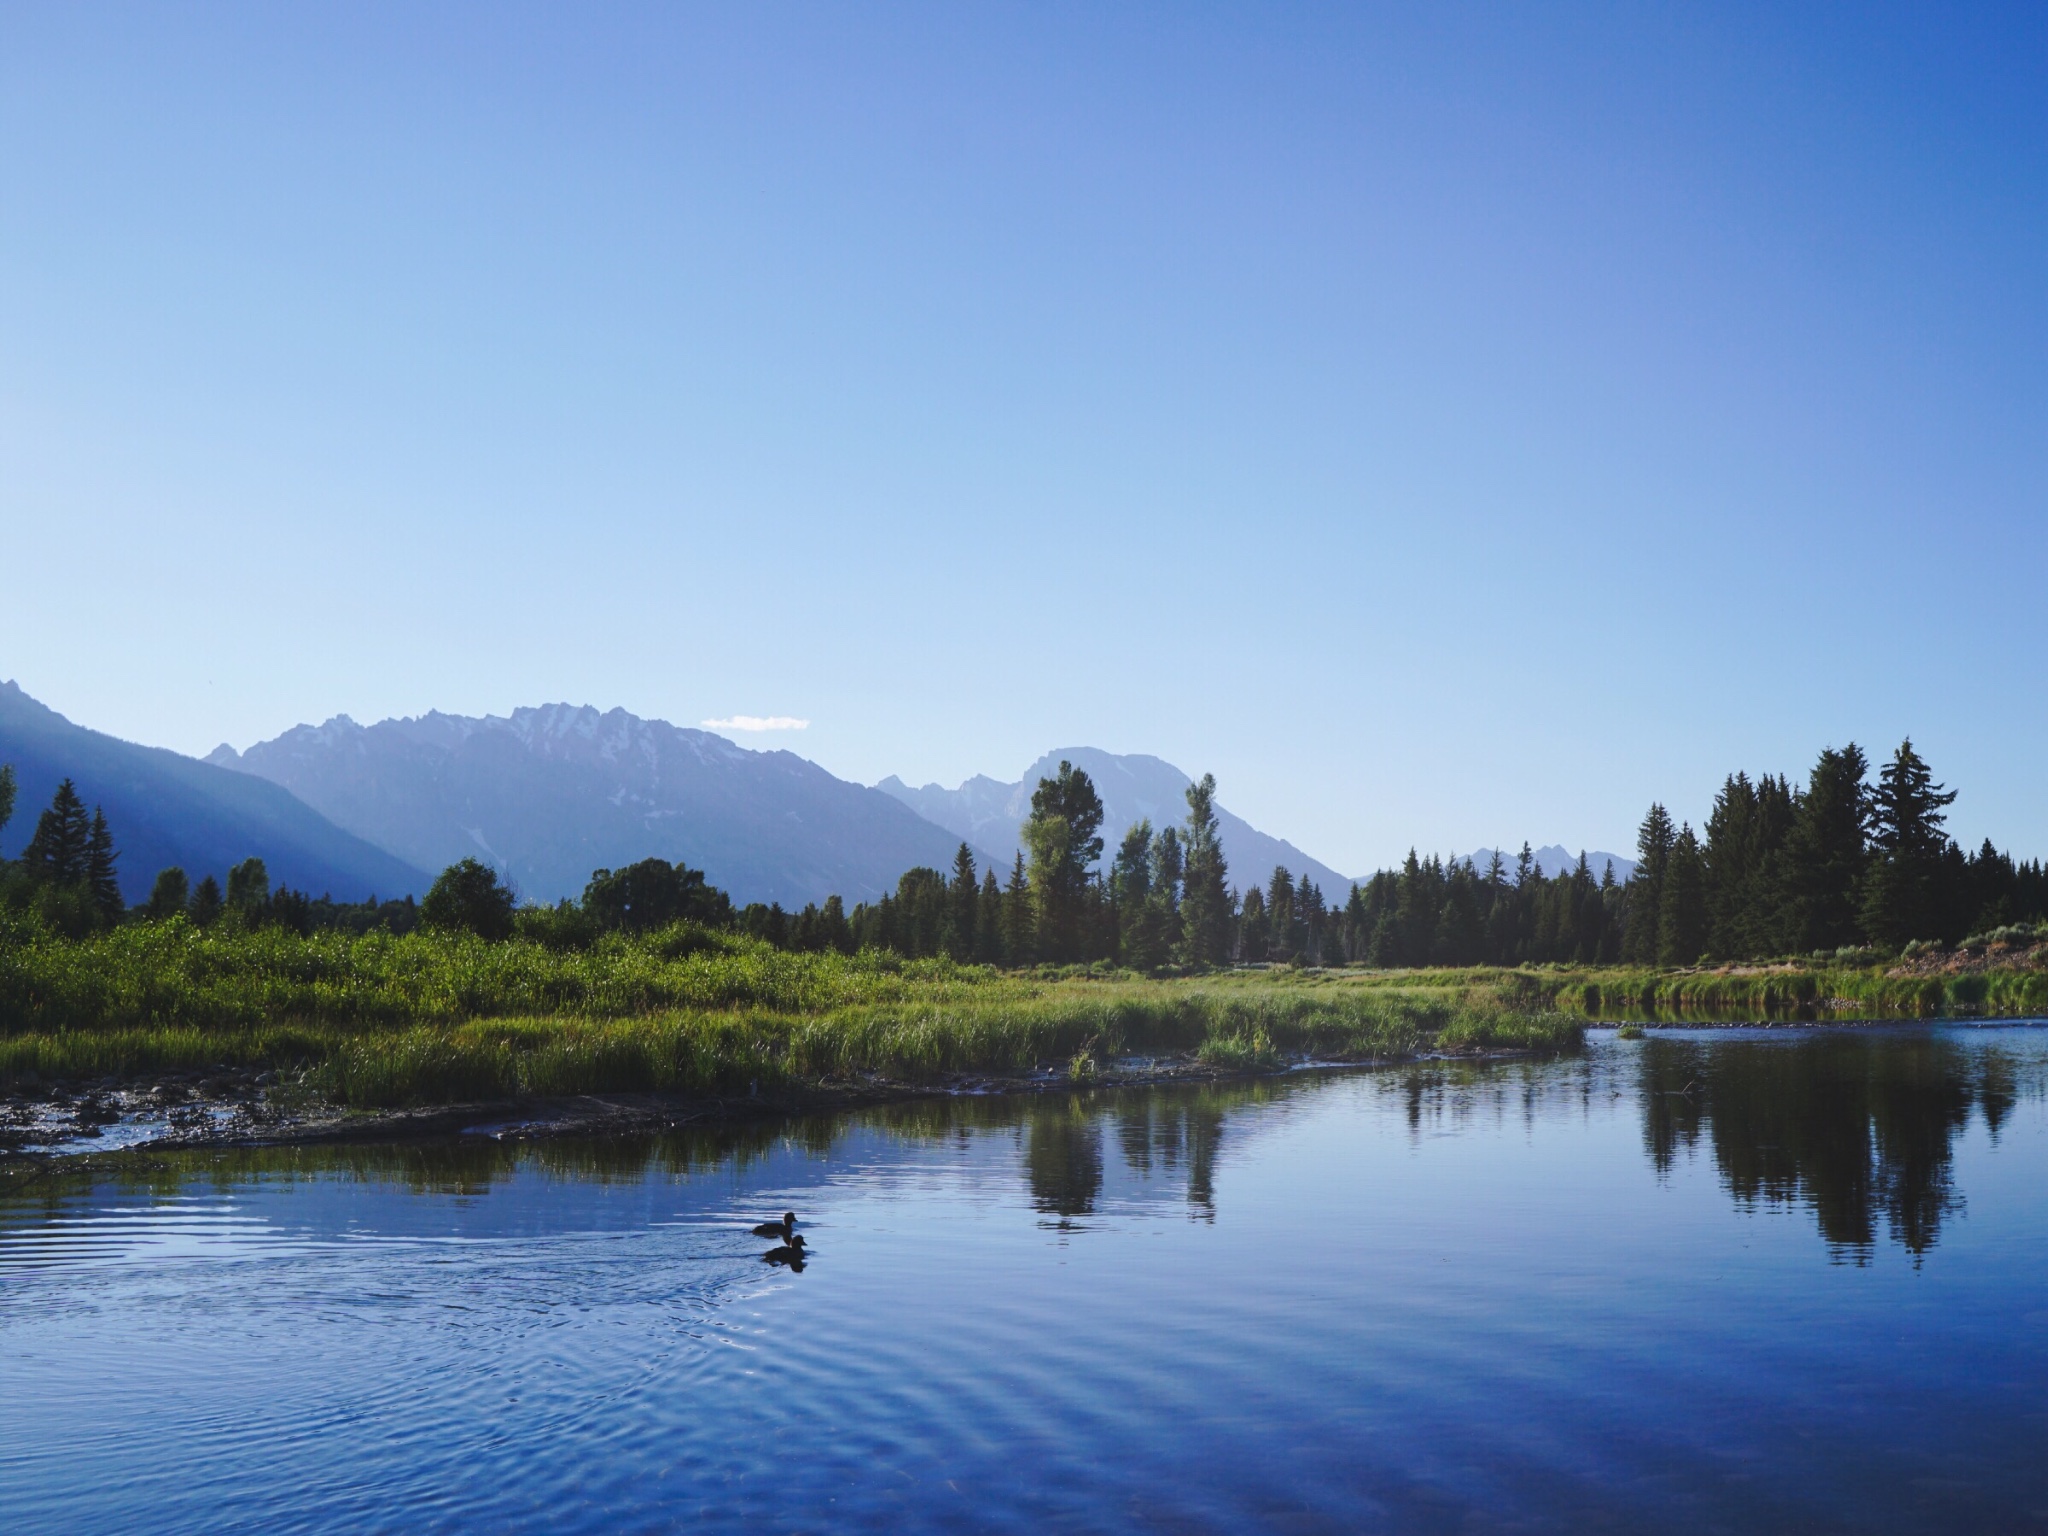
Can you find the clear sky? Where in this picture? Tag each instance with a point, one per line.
(1447, 425)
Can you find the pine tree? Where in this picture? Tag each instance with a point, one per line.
(1205, 896)
(964, 931)
(206, 905)
(1901, 895)
(57, 854)
(1019, 919)
(6, 794)
(988, 909)
(1825, 853)
(833, 929)
(1283, 923)
(1252, 930)
(101, 880)
(1415, 913)
(1169, 877)
(1645, 902)
(1682, 929)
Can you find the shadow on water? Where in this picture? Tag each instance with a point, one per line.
(1859, 1128)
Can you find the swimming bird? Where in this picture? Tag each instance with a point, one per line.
(790, 1253)
(780, 1229)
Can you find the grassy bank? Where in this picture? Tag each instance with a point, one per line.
(378, 1020)
(1789, 991)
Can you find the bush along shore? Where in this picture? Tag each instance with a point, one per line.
(377, 1021)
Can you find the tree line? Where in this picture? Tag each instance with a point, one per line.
(1837, 862)
(1778, 869)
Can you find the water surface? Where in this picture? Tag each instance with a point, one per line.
(1712, 1281)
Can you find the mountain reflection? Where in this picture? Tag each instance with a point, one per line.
(1860, 1128)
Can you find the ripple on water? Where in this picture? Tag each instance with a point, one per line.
(1543, 1295)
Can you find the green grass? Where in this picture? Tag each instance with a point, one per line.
(434, 1018)
(1785, 990)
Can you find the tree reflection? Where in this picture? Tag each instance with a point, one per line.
(1166, 1134)
(1178, 1132)
(1063, 1157)
(1860, 1128)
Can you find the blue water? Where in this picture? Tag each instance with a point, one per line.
(1725, 1281)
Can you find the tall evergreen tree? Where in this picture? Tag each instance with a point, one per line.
(101, 880)
(1825, 853)
(6, 794)
(1169, 876)
(1019, 920)
(1744, 859)
(57, 853)
(1252, 931)
(1284, 937)
(1901, 898)
(1645, 902)
(1682, 928)
(1205, 892)
(207, 905)
(964, 929)
(988, 942)
(833, 929)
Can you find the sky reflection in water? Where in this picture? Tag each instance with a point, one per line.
(1713, 1281)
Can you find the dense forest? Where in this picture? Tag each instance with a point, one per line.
(1778, 870)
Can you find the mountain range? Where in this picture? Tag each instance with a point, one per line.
(548, 794)
(990, 814)
(165, 808)
(551, 793)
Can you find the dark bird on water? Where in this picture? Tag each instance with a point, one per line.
(790, 1253)
(780, 1229)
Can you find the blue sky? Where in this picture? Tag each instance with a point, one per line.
(1447, 425)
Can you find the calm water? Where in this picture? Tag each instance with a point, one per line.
(1714, 1282)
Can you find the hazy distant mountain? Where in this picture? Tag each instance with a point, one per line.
(1555, 860)
(164, 808)
(990, 814)
(552, 793)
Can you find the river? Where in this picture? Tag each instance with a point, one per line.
(1715, 1280)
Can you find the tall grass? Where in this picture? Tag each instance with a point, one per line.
(378, 1020)
(1822, 992)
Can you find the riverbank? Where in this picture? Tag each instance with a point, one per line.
(237, 1034)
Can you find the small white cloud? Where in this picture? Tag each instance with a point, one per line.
(758, 723)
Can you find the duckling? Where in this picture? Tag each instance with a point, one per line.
(780, 1229)
(790, 1253)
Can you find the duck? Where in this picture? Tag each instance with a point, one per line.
(790, 1253)
(780, 1229)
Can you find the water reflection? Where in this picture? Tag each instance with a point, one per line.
(1526, 1303)
(1861, 1128)
(1167, 1141)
